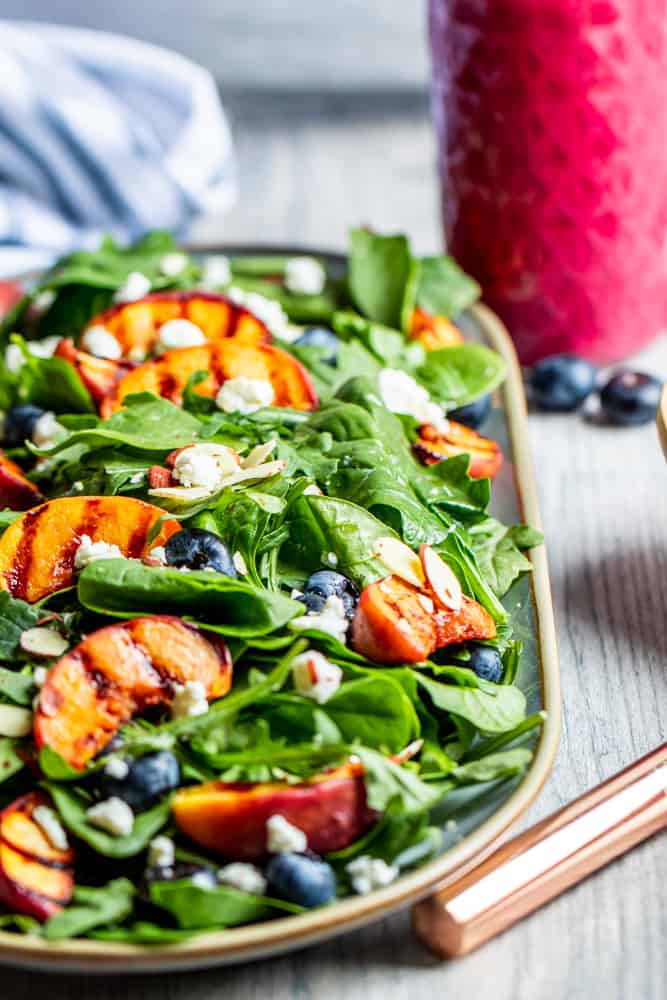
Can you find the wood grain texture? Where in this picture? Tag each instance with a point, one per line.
(308, 173)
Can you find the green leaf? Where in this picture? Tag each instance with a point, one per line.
(488, 712)
(11, 761)
(378, 270)
(457, 375)
(389, 782)
(51, 383)
(91, 907)
(374, 711)
(15, 617)
(494, 767)
(193, 907)
(498, 550)
(443, 288)
(16, 687)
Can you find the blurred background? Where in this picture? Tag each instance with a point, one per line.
(322, 98)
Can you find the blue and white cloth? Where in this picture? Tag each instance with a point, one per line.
(101, 133)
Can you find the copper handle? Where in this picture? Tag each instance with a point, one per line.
(548, 858)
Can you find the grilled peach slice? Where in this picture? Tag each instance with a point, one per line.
(433, 446)
(16, 492)
(36, 878)
(433, 332)
(37, 551)
(230, 818)
(136, 325)
(119, 671)
(225, 359)
(395, 622)
(99, 375)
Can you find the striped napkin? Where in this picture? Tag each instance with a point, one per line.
(102, 134)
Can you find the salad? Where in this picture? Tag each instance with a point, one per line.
(252, 628)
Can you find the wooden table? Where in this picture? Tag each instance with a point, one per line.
(308, 171)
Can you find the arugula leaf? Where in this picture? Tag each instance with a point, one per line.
(16, 617)
(378, 270)
(224, 906)
(457, 375)
(443, 288)
(91, 907)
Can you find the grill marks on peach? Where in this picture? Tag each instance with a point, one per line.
(119, 671)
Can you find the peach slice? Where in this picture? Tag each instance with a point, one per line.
(119, 671)
(16, 492)
(397, 623)
(433, 332)
(136, 325)
(99, 375)
(37, 551)
(225, 359)
(36, 878)
(230, 819)
(433, 446)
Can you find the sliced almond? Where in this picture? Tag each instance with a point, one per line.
(43, 642)
(400, 560)
(14, 721)
(441, 579)
(258, 455)
(257, 472)
(186, 494)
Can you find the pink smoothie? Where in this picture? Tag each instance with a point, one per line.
(552, 127)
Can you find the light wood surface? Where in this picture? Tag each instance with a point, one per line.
(307, 172)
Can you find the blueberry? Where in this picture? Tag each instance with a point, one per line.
(327, 583)
(148, 779)
(630, 398)
(304, 879)
(486, 662)
(562, 382)
(320, 336)
(196, 548)
(474, 414)
(20, 423)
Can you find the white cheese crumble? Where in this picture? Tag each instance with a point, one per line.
(282, 837)
(43, 300)
(135, 286)
(269, 311)
(331, 558)
(331, 619)
(77, 486)
(173, 263)
(305, 276)
(402, 394)
(204, 465)
(137, 478)
(15, 721)
(90, 551)
(315, 676)
(101, 342)
(239, 564)
(117, 768)
(45, 348)
(313, 491)
(177, 333)
(244, 877)
(367, 874)
(161, 852)
(112, 815)
(50, 825)
(216, 271)
(159, 553)
(47, 431)
(39, 676)
(189, 699)
(203, 880)
(244, 395)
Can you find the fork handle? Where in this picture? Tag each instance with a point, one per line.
(548, 858)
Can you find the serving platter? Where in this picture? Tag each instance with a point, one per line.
(471, 832)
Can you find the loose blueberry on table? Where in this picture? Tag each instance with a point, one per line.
(630, 398)
(562, 382)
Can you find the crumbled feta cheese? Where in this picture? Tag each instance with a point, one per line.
(48, 822)
(402, 394)
(39, 676)
(244, 877)
(112, 815)
(282, 837)
(239, 564)
(331, 558)
(367, 874)
(101, 342)
(313, 491)
(204, 465)
(177, 333)
(216, 272)
(244, 395)
(47, 430)
(305, 276)
(77, 487)
(159, 553)
(161, 852)
(45, 348)
(90, 551)
(331, 619)
(137, 478)
(269, 311)
(203, 880)
(315, 676)
(189, 699)
(43, 300)
(135, 286)
(173, 263)
(15, 721)
(117, 768)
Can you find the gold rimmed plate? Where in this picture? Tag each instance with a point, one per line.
(473, 832)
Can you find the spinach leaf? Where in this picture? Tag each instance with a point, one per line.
(15, 618)
(374, 711)
(11, 761)
(232, 607)
(493, 767)
(145, 932)
(8, 517)
(91, 907)
(16, 687)
(51, 383)
(389, 782)
(443, 288)
(378, 270)
(498, 550)
(489, 712)
(456, 375)
(193, 907)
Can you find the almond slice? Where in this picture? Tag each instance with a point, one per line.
(258, 455)
(186, 494)
(14, 721)
(43, 642)
(400, 560)
(441, 579)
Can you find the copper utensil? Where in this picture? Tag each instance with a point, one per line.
(548, 858)
(661, 420)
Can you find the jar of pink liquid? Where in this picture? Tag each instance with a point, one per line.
(551, 118)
